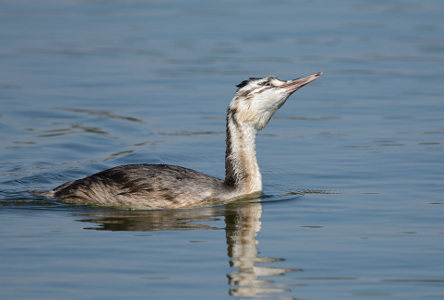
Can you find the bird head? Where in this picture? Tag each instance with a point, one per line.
(257, 99)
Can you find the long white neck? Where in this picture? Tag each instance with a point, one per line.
(241, 168)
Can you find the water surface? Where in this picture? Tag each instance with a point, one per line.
(352, 164)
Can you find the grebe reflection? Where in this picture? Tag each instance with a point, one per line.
(242, 223)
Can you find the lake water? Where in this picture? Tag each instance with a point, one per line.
(353, 164)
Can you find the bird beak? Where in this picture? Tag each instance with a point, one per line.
(293, 85)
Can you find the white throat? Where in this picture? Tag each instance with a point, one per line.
(241, 168)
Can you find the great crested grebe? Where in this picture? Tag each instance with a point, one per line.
(153, 186)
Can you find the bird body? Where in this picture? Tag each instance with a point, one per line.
(151, 186)
(144, 186)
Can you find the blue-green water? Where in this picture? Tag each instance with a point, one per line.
(353, 164)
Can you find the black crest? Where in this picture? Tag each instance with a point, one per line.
(246, 82)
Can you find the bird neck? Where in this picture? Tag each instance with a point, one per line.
(241, 168)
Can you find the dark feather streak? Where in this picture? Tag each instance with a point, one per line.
(246, 82)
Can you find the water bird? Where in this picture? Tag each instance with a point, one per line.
(162, 186)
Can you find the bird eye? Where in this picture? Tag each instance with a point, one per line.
(268, 84)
